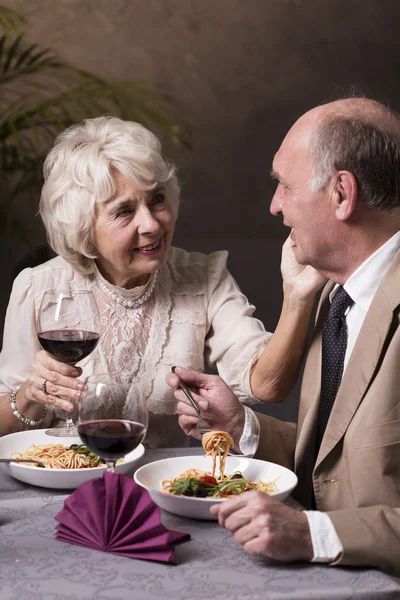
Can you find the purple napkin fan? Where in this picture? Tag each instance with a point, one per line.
(114, 514)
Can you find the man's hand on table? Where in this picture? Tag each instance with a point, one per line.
(266, 527)
(218, 404)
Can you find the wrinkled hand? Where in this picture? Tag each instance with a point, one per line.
(304, 280)
(266, 527)
(62, 384)
(218, 404)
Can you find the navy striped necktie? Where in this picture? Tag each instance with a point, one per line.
(334, 343)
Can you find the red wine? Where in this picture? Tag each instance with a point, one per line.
(111, 439)
(68, 345)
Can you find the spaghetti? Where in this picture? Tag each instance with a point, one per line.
(57, 456)
(217, 444)
(200, 484)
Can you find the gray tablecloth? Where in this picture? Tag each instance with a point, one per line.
(35, 566)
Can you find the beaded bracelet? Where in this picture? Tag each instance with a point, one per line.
(21, 417)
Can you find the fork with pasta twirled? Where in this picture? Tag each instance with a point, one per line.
(202, 425)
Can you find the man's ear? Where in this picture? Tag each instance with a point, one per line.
(344, 195)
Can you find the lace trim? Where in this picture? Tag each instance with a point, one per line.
(187, 316)
(131, 295)
(157, 341)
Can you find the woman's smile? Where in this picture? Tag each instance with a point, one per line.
(133, 233)
(150, 249)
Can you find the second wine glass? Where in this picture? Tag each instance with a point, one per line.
(68, 326)
(113, 417)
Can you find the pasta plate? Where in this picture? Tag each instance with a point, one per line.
(151, 475)
(55, 478)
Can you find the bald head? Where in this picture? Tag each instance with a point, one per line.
(358, 135)
(363, 109)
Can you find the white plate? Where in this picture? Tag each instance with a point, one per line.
(55, 478)
(149, 477)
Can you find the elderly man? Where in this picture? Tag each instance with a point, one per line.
(338, 173)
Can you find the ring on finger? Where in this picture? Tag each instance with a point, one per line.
(43, 387)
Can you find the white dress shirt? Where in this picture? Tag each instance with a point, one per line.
(361, 287)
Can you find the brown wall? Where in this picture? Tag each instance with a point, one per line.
(241, 72)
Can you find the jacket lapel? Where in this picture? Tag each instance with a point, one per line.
(308, 411)
(364, 359)
(311, 383)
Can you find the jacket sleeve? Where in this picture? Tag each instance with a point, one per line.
(277, 441)
(370, 537)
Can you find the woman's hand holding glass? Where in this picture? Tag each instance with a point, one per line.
(113, 417)
(62, 386)
(63, 389)
(68, 329)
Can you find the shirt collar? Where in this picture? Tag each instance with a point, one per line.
(363, 283)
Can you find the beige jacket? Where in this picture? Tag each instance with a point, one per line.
(356, 476)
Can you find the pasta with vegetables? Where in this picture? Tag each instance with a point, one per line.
(201, 484)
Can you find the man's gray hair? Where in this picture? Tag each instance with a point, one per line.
(366, 147)
(78, 174)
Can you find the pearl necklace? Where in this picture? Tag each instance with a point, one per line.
(128, 303)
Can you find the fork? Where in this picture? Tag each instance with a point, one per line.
(21, 460)
(202, 425)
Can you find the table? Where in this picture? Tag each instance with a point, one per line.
(35, 566)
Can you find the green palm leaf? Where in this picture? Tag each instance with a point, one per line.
(10, 21)
(131, 101)
(17, 61)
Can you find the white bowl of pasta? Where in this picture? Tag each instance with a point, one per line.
(161, 475)
(61, 476)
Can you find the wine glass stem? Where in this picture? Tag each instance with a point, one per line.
(69, 424)
(110, 466)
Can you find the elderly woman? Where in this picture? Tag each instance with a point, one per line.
(109, 204)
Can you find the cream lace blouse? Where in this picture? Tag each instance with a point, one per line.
(196, 310)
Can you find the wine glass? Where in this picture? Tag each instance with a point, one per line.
(68, 326)
(113, 417)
